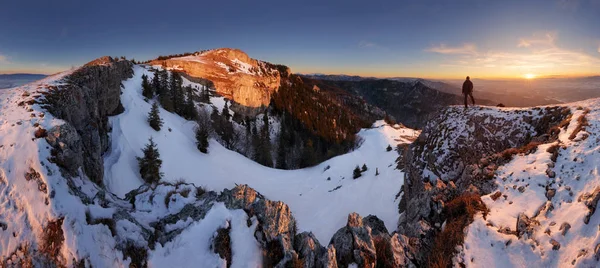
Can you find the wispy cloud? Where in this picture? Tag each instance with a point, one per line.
(4, 59)
(598, 48)
(366, 44)
(371, 45)
(538, 53)
(465, 49)
(546, 39)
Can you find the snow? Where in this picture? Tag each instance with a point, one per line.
(192, 247)
(307, 191)
(243, 67)
(24, 208)
(576, 173)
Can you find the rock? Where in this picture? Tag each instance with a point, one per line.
(555, 244)
(591, 201)
(551, 174)
(67, 148)
(525, 225)
(521, 189)
(354, 244)
(377, 226)
(89, 95)
(276, 224)
(564, 228)
(40, 133)
(496, 195)
(308, 248)
(328, 259)
(550, 193)
(235, 75)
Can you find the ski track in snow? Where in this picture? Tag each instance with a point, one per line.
(306, 191)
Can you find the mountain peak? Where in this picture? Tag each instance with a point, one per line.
(245, 80)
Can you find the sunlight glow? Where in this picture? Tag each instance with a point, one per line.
(529, 76)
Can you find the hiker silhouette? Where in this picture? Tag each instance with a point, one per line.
(467, 90)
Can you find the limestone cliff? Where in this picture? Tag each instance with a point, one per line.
(85, 100)
(235, 75)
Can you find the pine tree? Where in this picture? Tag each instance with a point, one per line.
(189, 111)
(154, 117)
(225, 112)
(356, 173)
(156, 83)
(147, 90)
(376, 171)
(176, 93)
(202, 139)
(150, 163)
(281, 154)
(389, 148)
(164, 82)
(265, 143)
(364, 168)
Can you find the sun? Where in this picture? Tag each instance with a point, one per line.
(529, 76)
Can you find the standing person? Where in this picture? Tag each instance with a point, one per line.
(467, 90)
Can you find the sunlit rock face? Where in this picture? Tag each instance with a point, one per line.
(235, 75)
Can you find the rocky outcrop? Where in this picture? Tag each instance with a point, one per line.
(459, 151)
(234, 74)
(366, 242)
(84, 101)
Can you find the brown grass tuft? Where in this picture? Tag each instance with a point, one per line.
(459, 213)
(52, 239)
(222, 245)
(582, 122)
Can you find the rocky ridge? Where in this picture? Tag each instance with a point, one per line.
(457, 154)
(234, 74)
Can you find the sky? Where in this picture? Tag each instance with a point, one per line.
(400, 38)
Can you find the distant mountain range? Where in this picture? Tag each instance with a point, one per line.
(15, 80)
(509, 92)
(410, 101)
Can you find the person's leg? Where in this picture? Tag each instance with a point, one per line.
(472, 99)
(465, 100)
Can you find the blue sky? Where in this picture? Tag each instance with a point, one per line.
(442, 38)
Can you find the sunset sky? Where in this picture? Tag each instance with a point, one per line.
(431, 39)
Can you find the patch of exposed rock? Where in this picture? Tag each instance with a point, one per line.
(234, 74)
(84, 101)
(459, 151)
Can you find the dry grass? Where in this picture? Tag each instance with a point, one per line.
(200, 192)
(459, 213)
(272, 254)
(168, 197)
(222, 245)
(40, 133)
(52, 240)
(185, 192)
(527, 149)
(138, 255)
(554, 151)
(582, 122)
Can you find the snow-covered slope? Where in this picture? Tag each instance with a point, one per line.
(543, 210)
(320, 197)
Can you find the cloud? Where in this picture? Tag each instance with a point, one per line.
(371, 45)
(544, 39)
(4, 59)
(465, 49)
(366, 44)
(536, 54)
(598, 48)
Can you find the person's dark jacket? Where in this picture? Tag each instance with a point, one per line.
(467, 87)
